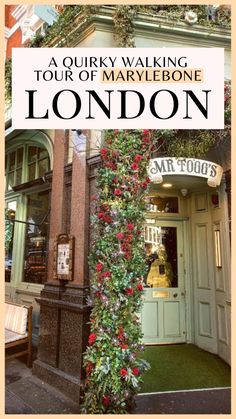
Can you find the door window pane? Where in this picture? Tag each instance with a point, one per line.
(162, 259)
(36, 238)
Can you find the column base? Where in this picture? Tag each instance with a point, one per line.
(63, 337)
(68, 385)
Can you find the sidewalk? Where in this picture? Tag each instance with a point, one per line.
(26, 394)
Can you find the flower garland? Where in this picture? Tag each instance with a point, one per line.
(113, 368)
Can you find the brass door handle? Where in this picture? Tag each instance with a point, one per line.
(175, 295)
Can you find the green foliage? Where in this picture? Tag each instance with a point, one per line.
(123, 17)
(177, 13)
(8, 80)
(8, 231)
(186, 143)
(117, 262)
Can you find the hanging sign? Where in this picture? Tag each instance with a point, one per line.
(63, 257)
(183, 166)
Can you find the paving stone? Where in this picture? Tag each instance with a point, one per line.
(189, 402)
(41, 397)
(15, 405)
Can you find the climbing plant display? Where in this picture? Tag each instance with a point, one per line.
(113, 367)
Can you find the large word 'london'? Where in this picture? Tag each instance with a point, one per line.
(162, 104)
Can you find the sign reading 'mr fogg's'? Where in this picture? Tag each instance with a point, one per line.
(182, 166)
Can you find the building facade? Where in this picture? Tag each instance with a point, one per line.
(50, 179)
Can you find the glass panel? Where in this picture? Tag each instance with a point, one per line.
(42, 153)
(12, 161)
(9, 236)
(161, 249)
(36, 238)
(32, 153)
(43, 167)
(18, 176)
(32, 168)
(19, 157)
(163, 204)
(10, 181)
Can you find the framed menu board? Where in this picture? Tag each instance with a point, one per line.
(63, 257)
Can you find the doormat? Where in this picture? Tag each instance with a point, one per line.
(183, 367)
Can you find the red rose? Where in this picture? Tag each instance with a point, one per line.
(89, 368)
(130, 227)
(139, 232)
(146, 131)
(92, 338)
(106, 274)
(138, 158)
(129, 238)
(108, 219)
(139, 287)
(99, 267)
(129, 291)
(120, 236)
(100, 215)
(105, 400)
(117, 192)
(135, 371)
(123, 372)
(134, 166)
(146, 140)
(103, 152)
(124, 346)
(121, 333)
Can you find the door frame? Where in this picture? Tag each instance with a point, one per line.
(187, 265)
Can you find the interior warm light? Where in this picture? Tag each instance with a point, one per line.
(167, 185)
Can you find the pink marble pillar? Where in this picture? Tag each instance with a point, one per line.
(57, 194)
(80, 208)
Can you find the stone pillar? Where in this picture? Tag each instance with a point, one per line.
(74, 324)
(63, 311)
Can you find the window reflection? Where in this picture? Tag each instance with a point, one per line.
(161, 257)
(36, 238)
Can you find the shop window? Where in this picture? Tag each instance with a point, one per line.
(166, 204)
(25, 164)
(10, 212)
(36, 238)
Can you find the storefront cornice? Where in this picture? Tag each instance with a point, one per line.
(149, 26)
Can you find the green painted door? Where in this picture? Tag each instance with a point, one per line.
(163, 314)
